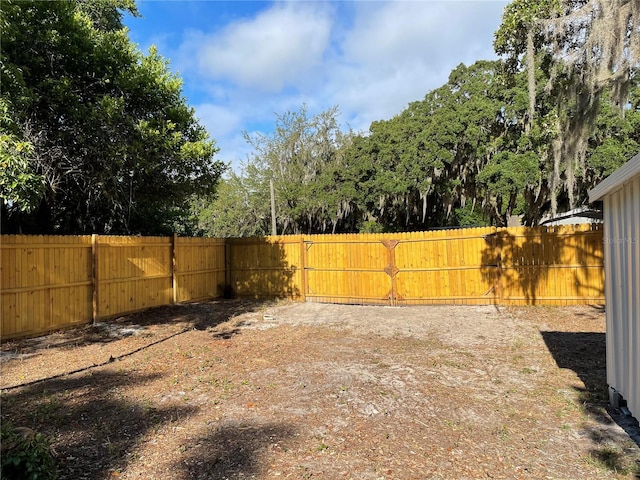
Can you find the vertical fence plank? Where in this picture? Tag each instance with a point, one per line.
(302, 269)
(95, 286)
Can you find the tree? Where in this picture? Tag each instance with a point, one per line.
(420, 166)
(20, 185)
(470, 153)
(587, 48)
(303, 157)
(110, 135)
(239, 208)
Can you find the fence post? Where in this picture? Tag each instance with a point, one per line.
(391, 269)
(174, 277)
(303, 269)
(94, 278)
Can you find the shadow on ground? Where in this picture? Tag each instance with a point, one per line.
(585, 354)
(94, 427)
(196, 316)
(234, 450)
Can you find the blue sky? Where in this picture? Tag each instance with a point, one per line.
(243, 61)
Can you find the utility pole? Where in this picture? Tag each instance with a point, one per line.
(274, 231)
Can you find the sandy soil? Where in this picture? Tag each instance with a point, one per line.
(237, 390)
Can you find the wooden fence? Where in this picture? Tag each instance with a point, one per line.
(510, 266)
(53, 282)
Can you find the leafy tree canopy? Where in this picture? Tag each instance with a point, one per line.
(302, 157)
(589, 50)
(96, 136)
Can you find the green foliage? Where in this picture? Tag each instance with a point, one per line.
(587, 54)
(26, 455)
(119, 149)
(20, 186)
(304, 159)
(238, 209)
(421, 165)
(518, 17)
(465, 155)
(469, 216)
(371, 226)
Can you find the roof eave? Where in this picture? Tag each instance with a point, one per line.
(614, 181)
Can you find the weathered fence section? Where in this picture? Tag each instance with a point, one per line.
(55, 282)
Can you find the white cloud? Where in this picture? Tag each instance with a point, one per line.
(219, 119)
(396, 52)
(369, 58)
(275, 49)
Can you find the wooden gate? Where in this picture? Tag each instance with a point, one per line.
(446, 267)
(348, 269)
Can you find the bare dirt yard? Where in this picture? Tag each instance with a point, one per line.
(240, 390)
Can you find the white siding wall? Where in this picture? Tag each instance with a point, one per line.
(622, 288)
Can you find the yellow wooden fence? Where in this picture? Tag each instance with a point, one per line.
(46, 283)
(53, 282)
(560, 265)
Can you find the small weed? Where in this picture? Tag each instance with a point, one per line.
(224, 383)
(306, 474)
(517, 344)
(450, 424)
(147, 406)
(610, 458)
(453, 364)
(527, 370)
(113, 449)
(502, 432)
(45, 410)
(322, 447)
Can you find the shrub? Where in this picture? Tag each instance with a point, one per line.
(25, 454)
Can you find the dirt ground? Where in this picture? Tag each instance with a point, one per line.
(241, 390)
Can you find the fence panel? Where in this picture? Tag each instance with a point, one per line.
(445, 267)
(45, 283)
(133, 273)
(266, 267)
(561, 265)
(348, 269)
(199, 270)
